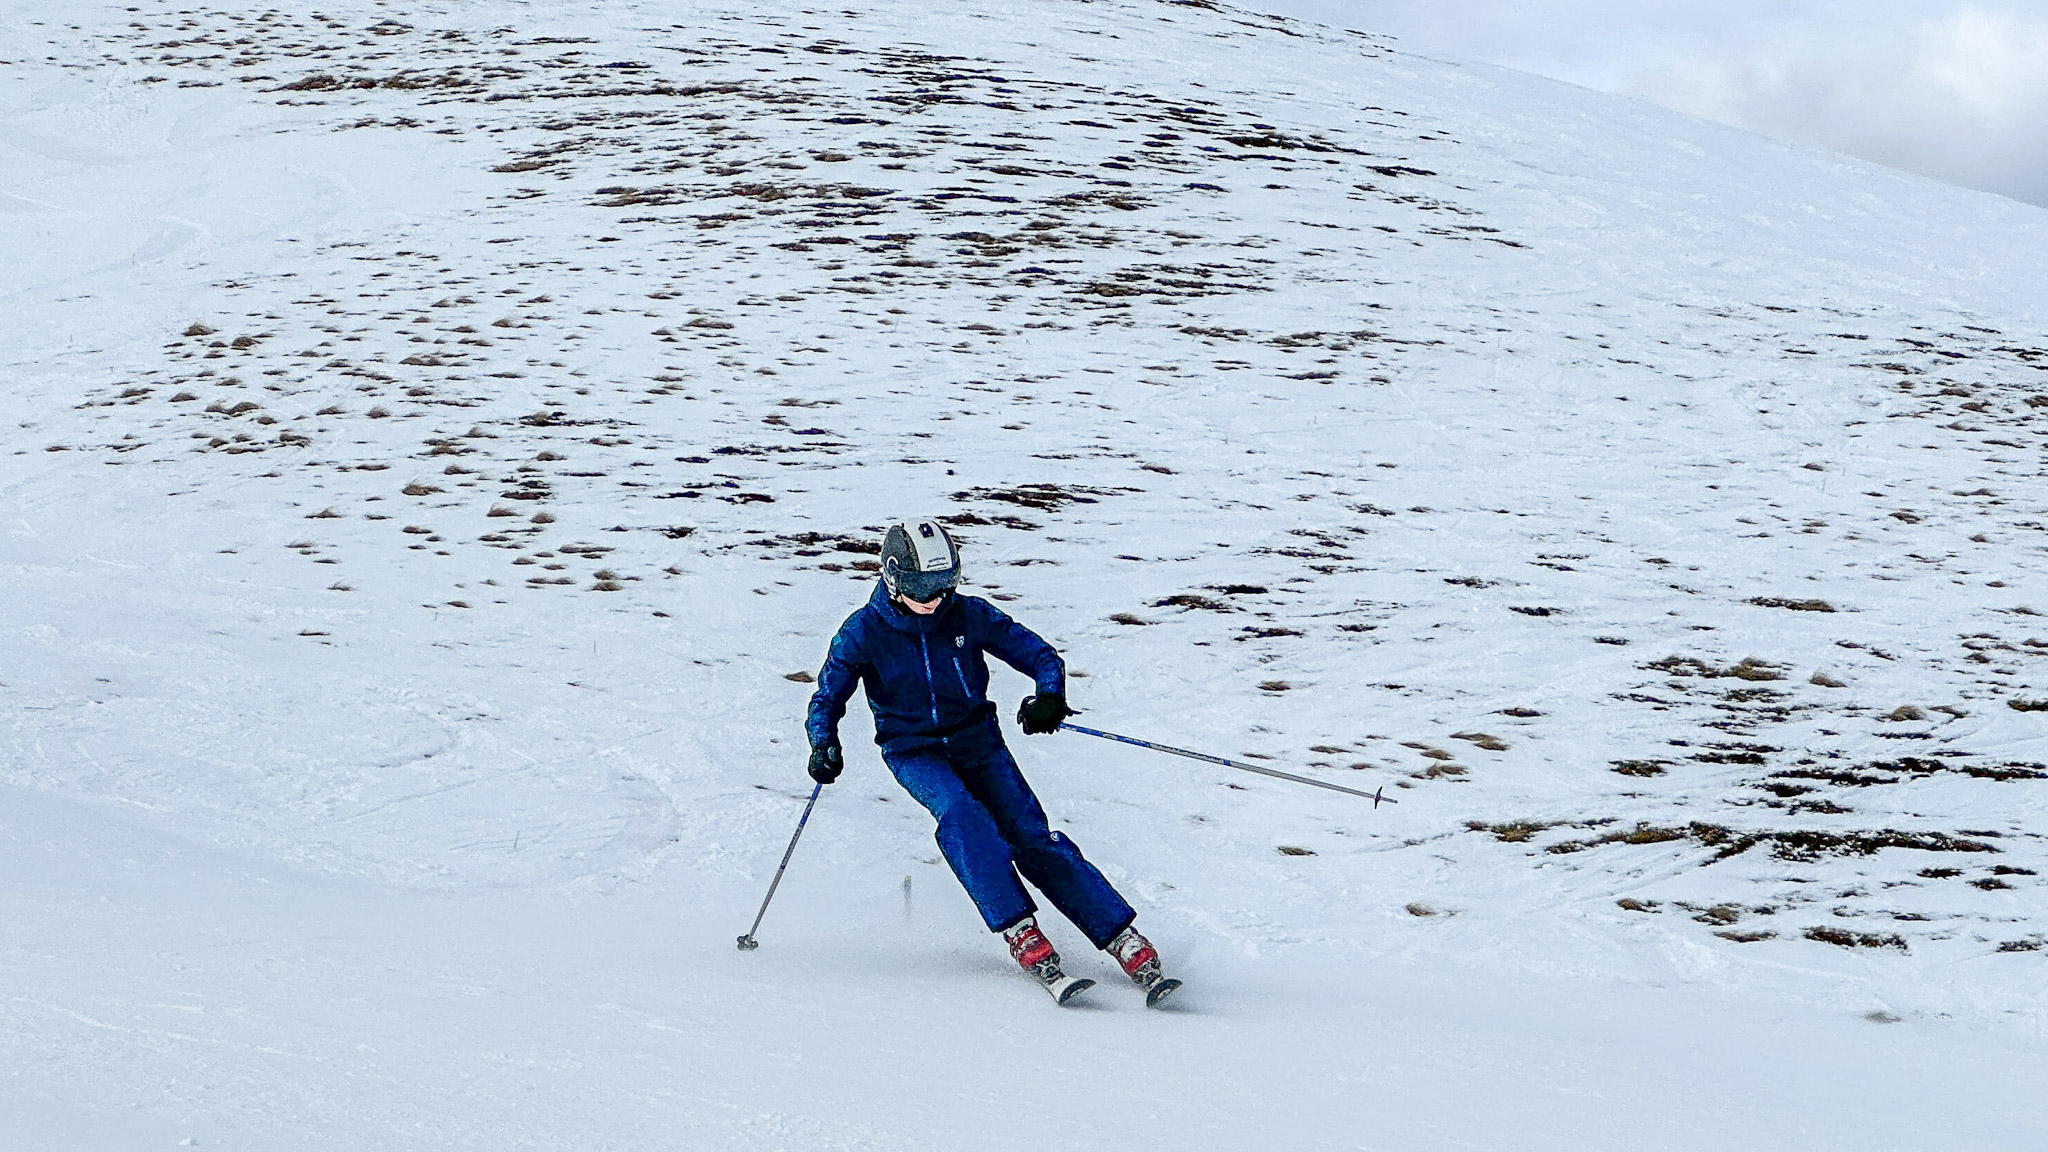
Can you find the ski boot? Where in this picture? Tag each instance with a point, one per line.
(1034, 953)
(1140, 962)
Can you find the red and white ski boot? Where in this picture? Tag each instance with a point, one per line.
(1034, 953)
(1140, 962)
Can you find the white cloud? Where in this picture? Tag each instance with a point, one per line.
(1955, 89)
(1996, 62)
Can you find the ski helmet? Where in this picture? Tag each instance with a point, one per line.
(919, 560)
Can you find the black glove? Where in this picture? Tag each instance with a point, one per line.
(826, 763)
(1042, 713)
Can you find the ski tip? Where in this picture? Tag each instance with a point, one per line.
(1072, 988)
(1158, 993)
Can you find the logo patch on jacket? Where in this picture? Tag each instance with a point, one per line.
(959, 641)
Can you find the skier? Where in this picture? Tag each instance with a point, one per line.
(918, 646)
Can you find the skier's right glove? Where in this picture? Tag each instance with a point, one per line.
(1042, 713)
(826, 762)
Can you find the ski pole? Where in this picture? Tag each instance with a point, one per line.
(747, 942)
(1376, 796)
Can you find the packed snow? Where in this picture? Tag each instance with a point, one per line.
(444, 435)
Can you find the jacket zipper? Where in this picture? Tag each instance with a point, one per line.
(962, 674)
(931, 683)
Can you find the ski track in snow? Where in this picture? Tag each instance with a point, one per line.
(447, 434)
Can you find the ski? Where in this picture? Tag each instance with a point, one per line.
(1159, 991)
(1064, 988)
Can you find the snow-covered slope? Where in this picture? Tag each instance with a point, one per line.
(445, 434)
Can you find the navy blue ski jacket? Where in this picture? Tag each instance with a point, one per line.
(925, 676)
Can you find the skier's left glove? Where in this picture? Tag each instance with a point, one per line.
(1042, 713)
(826, 762)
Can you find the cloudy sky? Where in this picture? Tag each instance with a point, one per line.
(1954, 89)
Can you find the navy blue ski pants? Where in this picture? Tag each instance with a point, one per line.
(991, 828)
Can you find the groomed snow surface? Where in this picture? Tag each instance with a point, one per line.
(443, 436)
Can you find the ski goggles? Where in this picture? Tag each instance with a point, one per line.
(925, 586)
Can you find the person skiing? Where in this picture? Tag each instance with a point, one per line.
(918, 646)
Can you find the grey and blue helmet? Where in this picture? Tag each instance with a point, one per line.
(919, 560)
